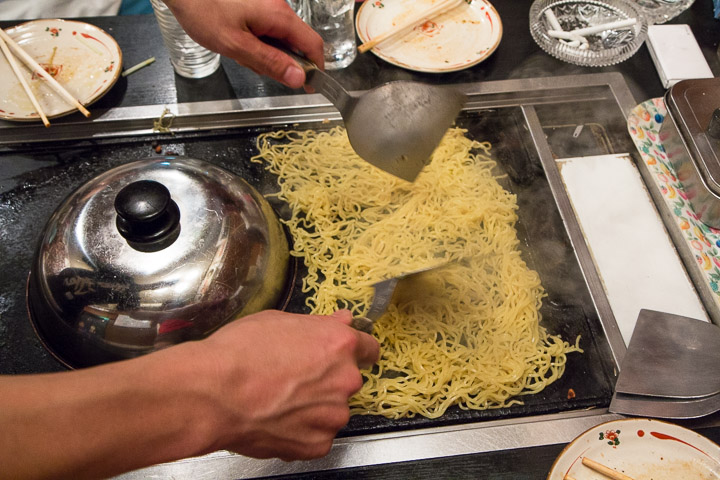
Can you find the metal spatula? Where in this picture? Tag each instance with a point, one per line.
(386, 291)
(671, 356)
(659, 407)
(395, 126)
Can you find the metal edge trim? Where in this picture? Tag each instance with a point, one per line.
(582, 251)
(381, 449)
(303, 108)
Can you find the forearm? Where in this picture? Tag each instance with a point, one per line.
(105, 420)
(273, 384)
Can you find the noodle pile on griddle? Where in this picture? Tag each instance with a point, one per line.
(470, 334)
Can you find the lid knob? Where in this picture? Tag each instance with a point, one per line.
(147, 217)
(714, 126)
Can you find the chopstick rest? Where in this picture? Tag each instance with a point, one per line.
(420, 17)
(38, 70)
(16, 69)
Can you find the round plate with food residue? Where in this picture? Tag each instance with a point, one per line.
(84, 59)
(457, 39)
(641, 449)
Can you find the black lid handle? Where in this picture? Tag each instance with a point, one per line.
(147, 217)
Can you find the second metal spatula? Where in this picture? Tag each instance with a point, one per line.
(671, 356)
(387, 290)
(395, 126)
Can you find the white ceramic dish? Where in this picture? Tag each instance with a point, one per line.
(641, 449)
(458, 39)
(81, 57)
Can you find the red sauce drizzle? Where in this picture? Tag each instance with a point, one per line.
(640, 433)
(663, 436)
(85, 35)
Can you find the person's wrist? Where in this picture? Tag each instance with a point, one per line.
(192, 386)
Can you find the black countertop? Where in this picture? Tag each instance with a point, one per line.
(516, 57)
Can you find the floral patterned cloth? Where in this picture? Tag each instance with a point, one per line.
(644, 123)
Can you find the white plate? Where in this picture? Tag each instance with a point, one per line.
(458, 39)
(87, 62)
(642, 449)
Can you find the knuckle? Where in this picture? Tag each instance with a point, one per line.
(277, 5)
(311, 448)
(331, 418)
(275, 62)
(319, 449)
(355, 382)
(347, 340)
(339, 418)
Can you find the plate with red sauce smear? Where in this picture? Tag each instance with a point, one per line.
(454, 40)
(81, 57)
(642, 449)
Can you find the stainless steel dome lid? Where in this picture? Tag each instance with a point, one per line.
(153, 253)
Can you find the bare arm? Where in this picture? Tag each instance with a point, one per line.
(269, 385)
(232, 28)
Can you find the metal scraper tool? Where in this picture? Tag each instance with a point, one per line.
(664, 407)
(671, 356)
(395, 126)
(385, 291)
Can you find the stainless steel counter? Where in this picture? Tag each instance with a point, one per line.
(536, 108)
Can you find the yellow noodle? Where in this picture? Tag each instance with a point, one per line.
(472, 337)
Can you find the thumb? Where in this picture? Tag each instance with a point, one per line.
(367, 349)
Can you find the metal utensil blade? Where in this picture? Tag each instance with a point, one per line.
(398, 125)
(395, 126)
(655, 407)
(671, 356)
(385, 291)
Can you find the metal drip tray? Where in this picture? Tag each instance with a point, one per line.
(529, 123)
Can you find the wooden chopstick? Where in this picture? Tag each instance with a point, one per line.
(607, 471)
(423, 16)
(38, 70)
(16, 68)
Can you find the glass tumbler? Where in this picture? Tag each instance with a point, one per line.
(334, 21)
(301, 8)
(189, 59)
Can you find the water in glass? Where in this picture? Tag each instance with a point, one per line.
(334, 21)
(188, 58)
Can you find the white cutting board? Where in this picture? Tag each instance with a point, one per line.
(636, 259)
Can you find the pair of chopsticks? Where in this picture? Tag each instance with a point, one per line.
(600, 468)
(418, 18)
(5, 42)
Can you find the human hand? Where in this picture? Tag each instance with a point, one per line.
(271, 384)
(284, 381)
(233, 27)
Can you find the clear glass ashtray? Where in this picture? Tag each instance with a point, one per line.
(590, 33)
(661, 11)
